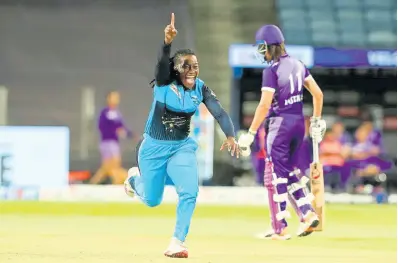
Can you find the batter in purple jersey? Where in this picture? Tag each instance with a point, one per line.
(281, 104)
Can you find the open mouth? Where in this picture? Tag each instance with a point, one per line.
(190, 79)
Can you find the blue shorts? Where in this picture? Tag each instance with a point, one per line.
(159, 159)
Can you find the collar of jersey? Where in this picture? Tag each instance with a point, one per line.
(178, 81)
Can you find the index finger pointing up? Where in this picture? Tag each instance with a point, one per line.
(172, 19)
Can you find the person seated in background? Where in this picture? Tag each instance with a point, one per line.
(341, 134)
(258, 155)
(365, 156)
(374, 137)
(333, 154)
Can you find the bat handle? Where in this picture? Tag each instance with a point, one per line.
(315, 151)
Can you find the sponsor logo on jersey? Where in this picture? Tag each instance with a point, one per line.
(294, 99)
(175, 90)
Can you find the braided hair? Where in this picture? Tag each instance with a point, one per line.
(175, 65)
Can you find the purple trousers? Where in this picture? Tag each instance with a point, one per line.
(284, 137)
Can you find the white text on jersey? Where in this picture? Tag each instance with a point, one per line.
(294, 99)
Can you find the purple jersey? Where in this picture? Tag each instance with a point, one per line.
(375, 138)
(110, 120)
(361, 147)
(345, 139)
(285, 78)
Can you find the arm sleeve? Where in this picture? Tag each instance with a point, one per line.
(162, 71)
(269, 82)
(215, 108)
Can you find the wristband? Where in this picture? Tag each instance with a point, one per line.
(252, 132)
(313, 118)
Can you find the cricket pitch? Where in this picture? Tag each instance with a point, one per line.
(38, 232)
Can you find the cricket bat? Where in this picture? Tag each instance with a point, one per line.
(317, 186)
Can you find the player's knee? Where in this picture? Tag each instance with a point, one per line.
(188, 195)
(153, 202)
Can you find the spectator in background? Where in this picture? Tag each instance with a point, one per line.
(333, 155)
(341, 134)
(365, 155)
(258, 155)
(111, 127)
(374, 138)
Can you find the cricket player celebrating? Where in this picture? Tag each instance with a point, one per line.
(281, 98)
(167, 149)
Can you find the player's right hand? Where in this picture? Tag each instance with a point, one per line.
(317, 129)
(170, 32)
(244, 141)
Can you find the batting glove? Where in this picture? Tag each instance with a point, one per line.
(317, 128)
(244, 141)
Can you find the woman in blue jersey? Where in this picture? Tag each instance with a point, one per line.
(167, 149)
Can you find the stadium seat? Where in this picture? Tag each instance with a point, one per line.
(379, 19)
(298, 37)
(297, 24)
(347, 4)
(291, 14)
(324, 38)
(323, 25)
(379, 16)
(318, 3)
(353, 14)
(326, 14)
(352, 23)
(353, 39)
(382, 39)
(348, 97)
(372, 4)
(290, 4)
(351, 27)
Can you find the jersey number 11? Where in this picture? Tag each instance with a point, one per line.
(299, 82)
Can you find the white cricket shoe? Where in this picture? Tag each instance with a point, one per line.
(270, 234)
(311, 221)
(134, 171)
(266, 235)
(176, 249)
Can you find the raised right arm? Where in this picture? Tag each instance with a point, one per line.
(162, 71)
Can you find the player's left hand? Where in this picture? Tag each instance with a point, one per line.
(232, 145)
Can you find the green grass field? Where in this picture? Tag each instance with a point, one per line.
(33, 232)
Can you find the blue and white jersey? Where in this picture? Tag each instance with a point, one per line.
(173, 106)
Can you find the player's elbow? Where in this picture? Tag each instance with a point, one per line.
(318, 95)
(263, 108)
